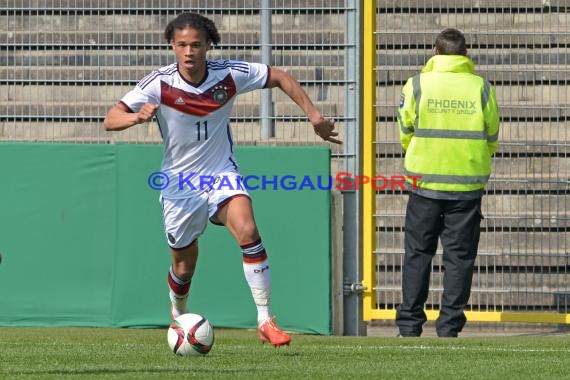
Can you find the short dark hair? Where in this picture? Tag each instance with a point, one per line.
(194, 21)
(451, 41)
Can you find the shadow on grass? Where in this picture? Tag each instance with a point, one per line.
(109, 371)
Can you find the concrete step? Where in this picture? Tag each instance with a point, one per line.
(535, 134)
(129, 76)
(156, 58)
(499, 183)
(390, 260)
(531, 282)
(282, 57)
(390, 79)
(487, 56)
(99, 39)
(543, 99)
(513, 183)
(529, 104)
(543, 206)
(244, 133)
(194, 5)
(496, 74)
(553, 222)
(75, 131)
(505, 299)
(388, 6)
(81, 92)
(154, 21)
(471, 16)
(504, 243)
(522, 39)
(407, 6)
(107, 35)
(527, 167)
(292, 14)
(529, 143)
(97, 108)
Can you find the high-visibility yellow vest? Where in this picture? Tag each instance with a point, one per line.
(449, 125)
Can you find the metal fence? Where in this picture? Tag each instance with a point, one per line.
(63, 64)
(523, 48)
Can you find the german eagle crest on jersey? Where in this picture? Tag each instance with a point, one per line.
(220, 95)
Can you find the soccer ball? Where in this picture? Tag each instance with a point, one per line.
(190, 335)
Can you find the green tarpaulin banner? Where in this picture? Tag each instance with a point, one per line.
(82, 242)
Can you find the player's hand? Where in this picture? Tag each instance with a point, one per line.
(147, 112)
(325, 130)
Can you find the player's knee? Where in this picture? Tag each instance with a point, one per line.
(184, 270)
(247, 233)
(186, 275)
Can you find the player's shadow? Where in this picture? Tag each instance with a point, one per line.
(133, 371)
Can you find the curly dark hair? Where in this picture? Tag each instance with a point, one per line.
(194, 21)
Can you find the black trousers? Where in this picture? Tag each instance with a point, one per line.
(457, 224)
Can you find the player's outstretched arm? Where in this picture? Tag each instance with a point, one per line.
(119, 118)
(323, 127)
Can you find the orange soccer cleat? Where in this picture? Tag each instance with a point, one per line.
(268, 331)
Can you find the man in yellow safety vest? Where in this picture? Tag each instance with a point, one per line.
(449, 124)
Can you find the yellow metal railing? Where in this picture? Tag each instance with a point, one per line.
(368, 151)
(371, 310)
(486, 316)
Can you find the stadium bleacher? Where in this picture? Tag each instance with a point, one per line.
(64, 63)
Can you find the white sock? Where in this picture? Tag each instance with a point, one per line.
(178, 304)
(261, 298)
(258, 278)
(179, 290)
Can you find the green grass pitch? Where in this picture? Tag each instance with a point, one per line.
(104, 353)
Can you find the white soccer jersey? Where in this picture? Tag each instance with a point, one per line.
(194, 120)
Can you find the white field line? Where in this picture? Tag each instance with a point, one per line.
(321, 346)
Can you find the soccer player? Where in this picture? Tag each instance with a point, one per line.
(192, 100)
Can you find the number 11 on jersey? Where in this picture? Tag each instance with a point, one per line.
(203, 126)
